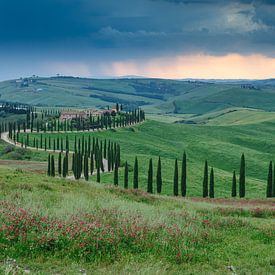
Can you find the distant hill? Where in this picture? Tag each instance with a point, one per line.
(154, 95)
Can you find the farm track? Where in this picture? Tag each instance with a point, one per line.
(5, 137)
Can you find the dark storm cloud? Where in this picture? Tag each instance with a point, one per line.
(122, 29)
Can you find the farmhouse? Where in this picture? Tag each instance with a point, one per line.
(68, 115)
(94, 112)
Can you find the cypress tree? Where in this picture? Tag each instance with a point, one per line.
(73, 163)
(205, 181)
(59, 164)
(52, 166)
(126, 171)
(136, 174)
(234, 185)
(86, 167)
(98, 172)
(159, 177)
(116, 173)
(45, 144)
(150, 177)
(109, 159)
(211, 186)
(92, 163)
(269, 181)
(76, 165)
(80, 166)
(183, 175)
(101, 161)
(242, 177)
(49, 165)
(118, 154)
(105, 149)
(176, 179)
(64, 172)
(273, 188)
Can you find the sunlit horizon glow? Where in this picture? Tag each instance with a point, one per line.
(230, 66)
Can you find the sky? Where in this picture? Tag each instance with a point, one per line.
(152, 38)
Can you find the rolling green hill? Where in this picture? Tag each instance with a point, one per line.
(53, 225)
(154, 95)
(222, 146)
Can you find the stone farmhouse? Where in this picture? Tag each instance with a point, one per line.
(69, 115)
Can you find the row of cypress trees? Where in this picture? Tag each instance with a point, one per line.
(86, 162)
(208, 183)
(150, 177)
(208, 187)
(81, 144)
(62, 166)
(49, 124)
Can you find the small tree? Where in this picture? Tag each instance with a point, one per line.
(86, 167)
(205, 181)
(126, 171)
(52, 166)
(159, 177)
(176, 179)
(234, 185)
(59, 164)
(136, 174)
(183, 175)
(92, 164)
(49, 165)
(242, 177)
(269, 181)
(116, 173)
(98, 172)
(64, 172)
(150, 177)
(211, 186)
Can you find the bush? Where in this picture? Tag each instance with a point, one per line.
(20, 154)
(7, 149)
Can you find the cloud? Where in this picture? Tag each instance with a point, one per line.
(68, 69)
(114, 33)
(95, 33)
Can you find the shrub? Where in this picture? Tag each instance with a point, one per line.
(7, 149)
(104, 234)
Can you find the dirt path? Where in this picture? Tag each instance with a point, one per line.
(5, 137)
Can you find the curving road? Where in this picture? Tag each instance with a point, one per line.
(5, 137)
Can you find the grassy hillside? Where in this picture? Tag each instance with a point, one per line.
(154, 95)
(225, 117)
(222, 146)
(58, 226)
(68, 227)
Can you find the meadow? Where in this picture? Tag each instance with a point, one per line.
(85, 227)
(66, 226)
(222, 146)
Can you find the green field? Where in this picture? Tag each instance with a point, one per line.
(58, 226)
(222, 146)
(153, 95)
(163, 234)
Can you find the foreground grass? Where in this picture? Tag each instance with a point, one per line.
(57, 226)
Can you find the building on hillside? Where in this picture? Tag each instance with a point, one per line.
(95, 112)
(68, 115)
